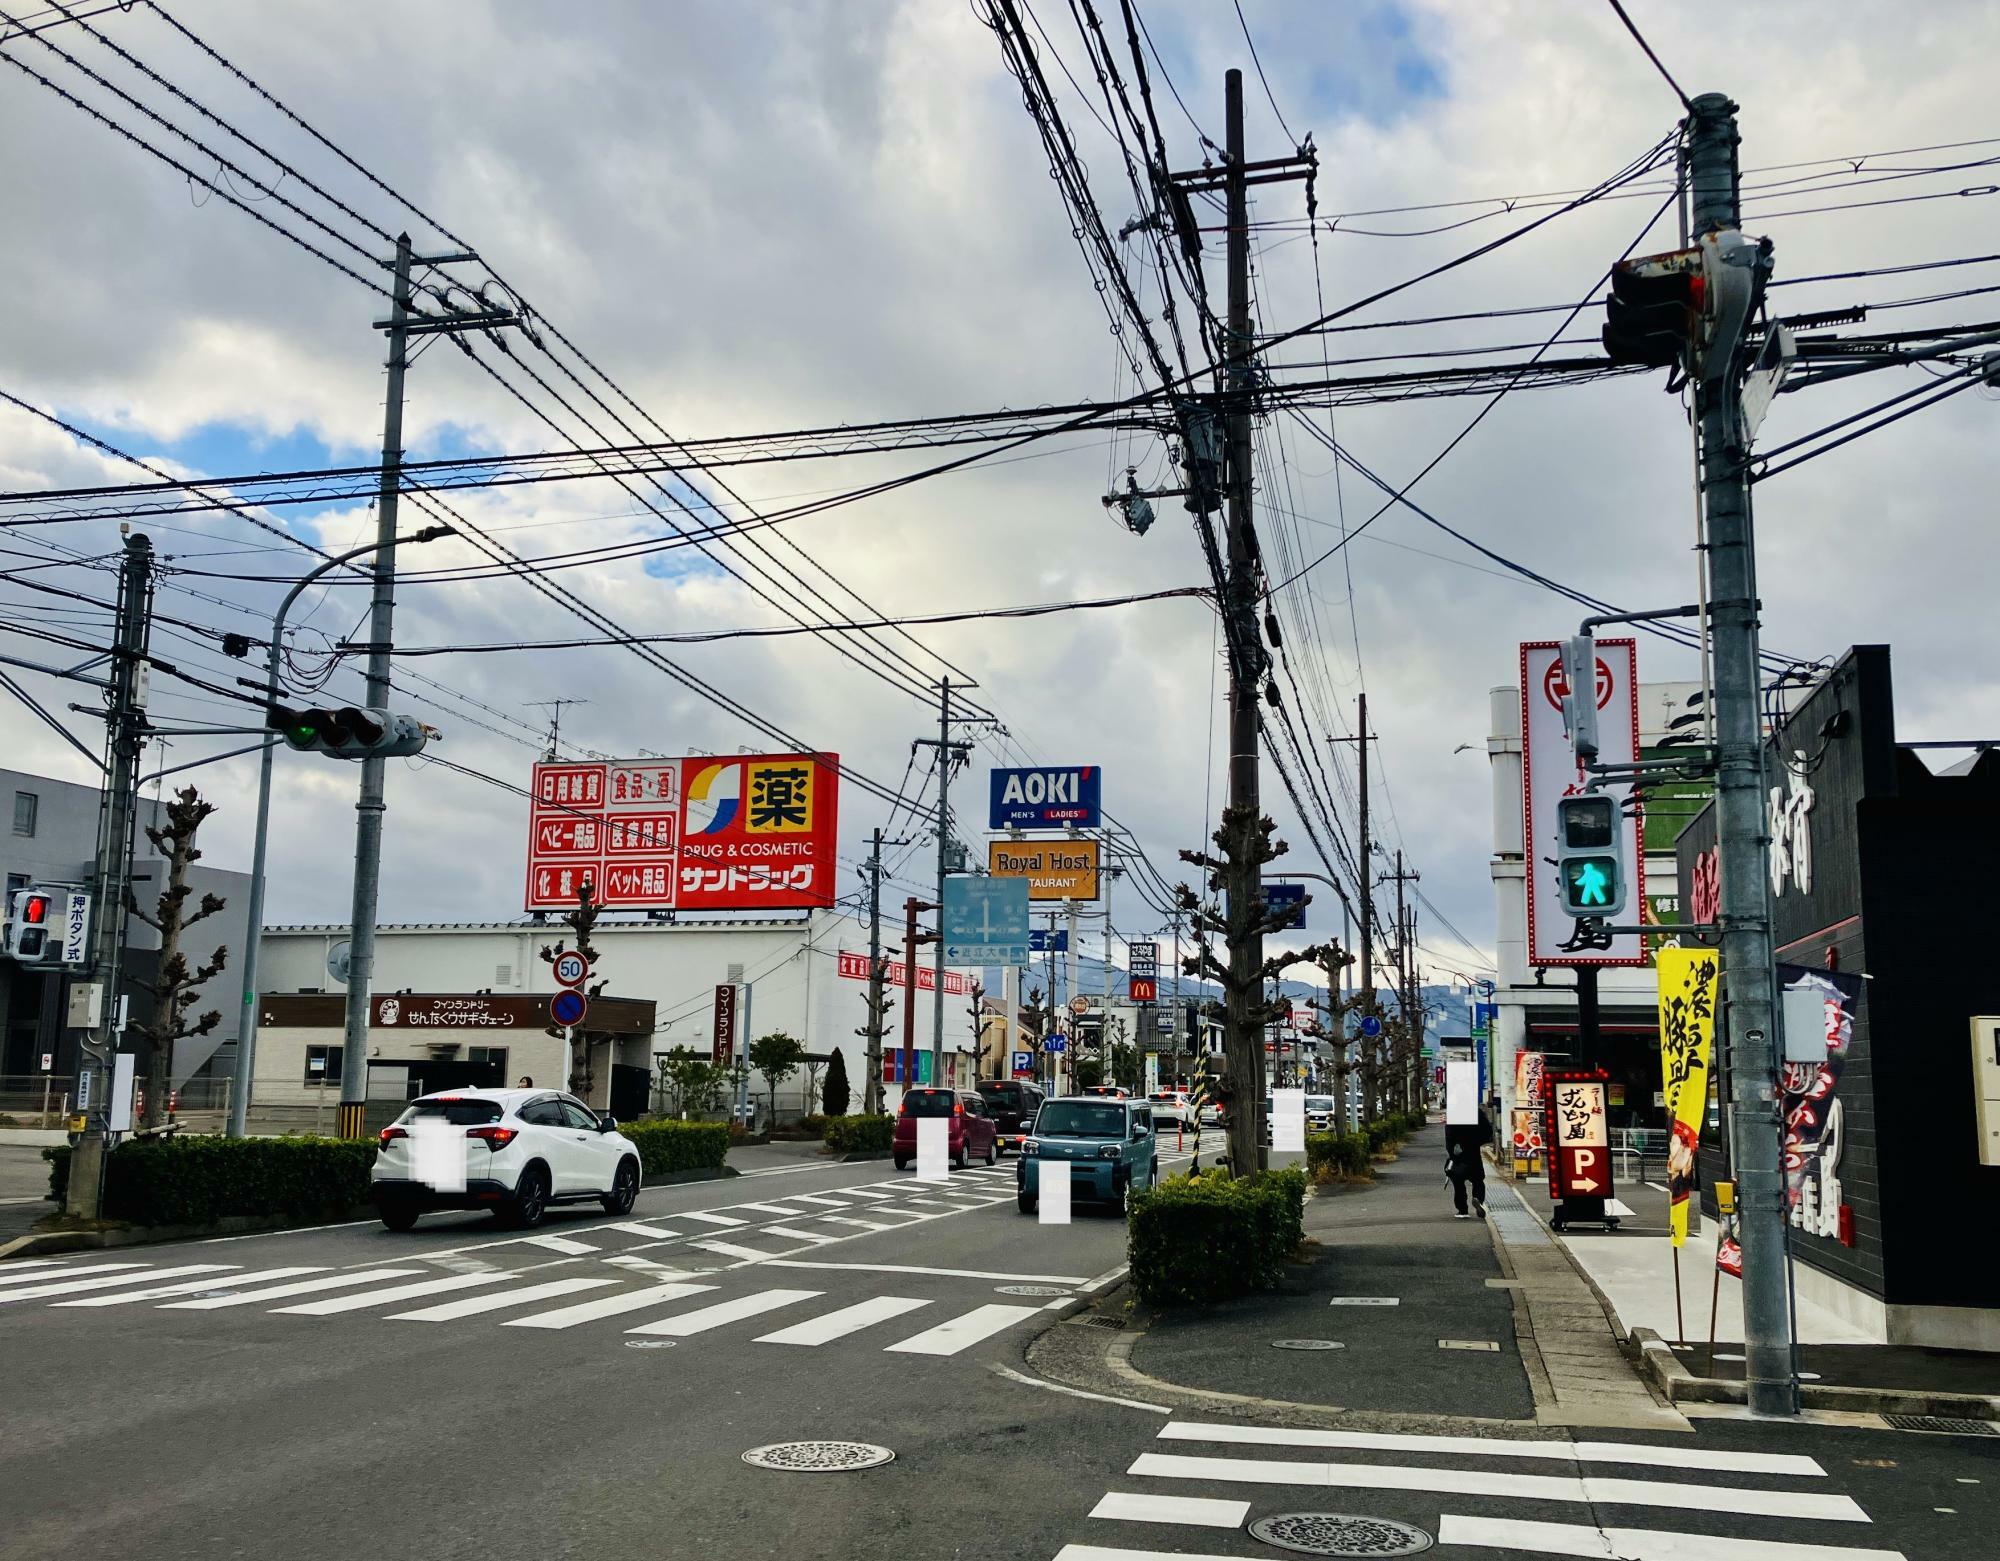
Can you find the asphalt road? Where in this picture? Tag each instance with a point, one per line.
(575, 1393)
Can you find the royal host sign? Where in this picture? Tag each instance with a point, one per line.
(752, 832)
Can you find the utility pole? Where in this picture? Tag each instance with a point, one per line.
(911, 938)
(125, 743)
(381, 630)
(1407, 996)
(1740, 819)
(949, 753)
(871, 1091)
(1365, 991)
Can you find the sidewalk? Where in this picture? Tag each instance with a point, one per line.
(1427, 1316)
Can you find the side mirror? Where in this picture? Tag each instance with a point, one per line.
(606, 1122)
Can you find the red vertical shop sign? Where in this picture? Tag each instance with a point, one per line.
(753, 832)
(1579, 1144)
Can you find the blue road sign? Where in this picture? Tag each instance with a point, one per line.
(568, 1007)
(985, 921)
(1048, 940)
(1278, 896)
(1065, 797)
(1056, 1043)
(1370, 1026)
(1024, 1062)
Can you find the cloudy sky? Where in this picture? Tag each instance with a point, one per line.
(773, 215)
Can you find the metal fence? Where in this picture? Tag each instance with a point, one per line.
(42, 1099)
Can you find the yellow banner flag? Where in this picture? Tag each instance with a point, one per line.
(1688, 980)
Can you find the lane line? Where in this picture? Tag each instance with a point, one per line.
(608, 1306)
(812, 1197)
(185, 1287)
(865, 1192)
(800, 1235)
(367, 1298)
(366, 1276)
(731, 1249)
(1205, 1511)
(560, 1244)
(948, 1338)
(946, 1273)
(632, 1228)
(107, 1281)
(472, 1306)
(848, 1319)
(12, 1279)
(771, 1208)
(1637, 1544)
(1482, 1482)
(712, 1219)
(1676, 1457)
(841, 1219)
(687, 1324)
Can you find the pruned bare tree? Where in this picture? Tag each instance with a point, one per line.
(580, 921)
(176, 983)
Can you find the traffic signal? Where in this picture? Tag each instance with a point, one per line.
(350, 732)
(29, 913)
(1653, 315)
(1579, 661)
(1589, 859)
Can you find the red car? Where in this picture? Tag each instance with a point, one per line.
(970, 1129)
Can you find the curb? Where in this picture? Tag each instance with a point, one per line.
(55, 1242)
(1680, 1385)
(857, 1156)
(699, 1173)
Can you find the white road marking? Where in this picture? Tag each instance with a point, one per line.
(813, 1197)
(1675, 1457)
(1481, 1482)
(730, 1249)
(648, 1231)
(1207, 1511)
(722, 1312)
(185, 1287)
(864, 1192)
(559, 1244)
(289, 1230)
(16, 1265)
(1637, 1544)
(366, 1276)
(931, 1203)
(712, 1219)
(367, 1298)
(946, 1273)
(770, 1208)
(948, 1338)
(12, 1278)
(1057, 1387)
(472, 1306)
(848, 1319)
(108, 1281)
(1115, 1553)
(1658, 1188)
(608, 1306)
(798, 1235)
(842, 1219)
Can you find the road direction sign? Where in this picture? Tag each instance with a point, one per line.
(1048, 940)
(571, 968)
(1287, 896)
(985, 921)
(1370, 1026)
(1056, 1043)
(568, 1007)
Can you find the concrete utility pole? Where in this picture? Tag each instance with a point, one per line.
(1365, 989)
(1747, 955)
(125, 742)
(871, 1090)
(1407, 996)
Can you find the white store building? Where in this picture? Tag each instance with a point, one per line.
(805, 975)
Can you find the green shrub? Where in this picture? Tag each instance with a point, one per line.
(1209, 1237)
(1344, 1153)
(196, 1180)
(665, 1145)
(859, 1134)
(813, 1126)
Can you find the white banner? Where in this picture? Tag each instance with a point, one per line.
(1549, 773)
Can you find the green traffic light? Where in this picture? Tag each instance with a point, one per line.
(1590, 882)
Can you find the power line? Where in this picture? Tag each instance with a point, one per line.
(1639, 38)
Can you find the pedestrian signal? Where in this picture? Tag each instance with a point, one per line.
(1589, 860)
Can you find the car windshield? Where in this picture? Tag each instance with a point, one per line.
(1319, 1102)
(928, 1103)
(464, 1113)
(1080, 1119)
(1010, 1095)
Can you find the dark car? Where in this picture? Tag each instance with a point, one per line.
(969, 1131)
(1012, 1105)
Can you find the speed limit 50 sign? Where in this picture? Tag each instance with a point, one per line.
(571, 968)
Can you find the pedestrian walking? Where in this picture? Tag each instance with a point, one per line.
(1465, 1164)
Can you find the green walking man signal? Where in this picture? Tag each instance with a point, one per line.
(1589, 857)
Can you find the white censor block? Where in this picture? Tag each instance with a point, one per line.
(1053, 1189)
(437, 1154)
(1288, 1120)
(933, 1149)
(1461, 1091)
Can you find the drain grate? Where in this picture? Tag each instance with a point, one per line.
(1307, 1344)
(818, 1457)
(1096, 1321)
(1340, 1534)
(1030, 1290)
(1943, 1426)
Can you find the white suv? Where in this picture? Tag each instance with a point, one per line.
(515, 1151)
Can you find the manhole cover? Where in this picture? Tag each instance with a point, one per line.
(649, 1344)
(1941, 1424)
(818, 1457)
(1098, 1322)
(1340, 1534)
(1307, 1344)
(1030, 1290)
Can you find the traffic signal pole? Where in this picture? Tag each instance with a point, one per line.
(1743, 848)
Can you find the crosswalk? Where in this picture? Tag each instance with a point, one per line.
(632, 1301)
(1678, 1501)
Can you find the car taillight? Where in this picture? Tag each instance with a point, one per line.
(392, 1132)
(495, 1138)
(958, 1108)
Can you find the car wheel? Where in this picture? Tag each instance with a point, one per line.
(530, 1202)
(1025, 1202)
(624, 1188)
(902, 1162)
(962, 1159)
(400, 1214)
(993, 1152)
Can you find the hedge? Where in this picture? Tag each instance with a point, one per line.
(1346, 1153)
(1210, 1236)
(666, 1145)
(859, 1134)
(196, 1180)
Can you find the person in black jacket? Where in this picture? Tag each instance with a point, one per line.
(1465, 1165)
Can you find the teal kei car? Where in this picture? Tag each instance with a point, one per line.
(1107, 1145)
